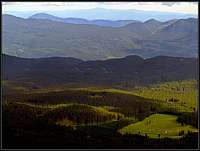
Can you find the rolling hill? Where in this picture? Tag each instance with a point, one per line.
(122, 72)
(36, 38)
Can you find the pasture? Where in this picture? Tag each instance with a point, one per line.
(158, 126)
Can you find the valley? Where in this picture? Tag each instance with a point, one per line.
(100, 75)
(93, 114)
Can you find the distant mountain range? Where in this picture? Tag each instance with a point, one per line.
(122, 72)
(108, 14)
(109, 23)
(36, 38)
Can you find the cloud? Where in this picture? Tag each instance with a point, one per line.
(10, 3)
(178, 7)
(144, 3)
(54, 4)
(169, 3)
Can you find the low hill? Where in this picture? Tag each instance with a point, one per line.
(65, 114)
(123, 72)
(82, 114)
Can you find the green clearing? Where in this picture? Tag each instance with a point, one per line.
(156, 96)
(163, 124)
(185, 92)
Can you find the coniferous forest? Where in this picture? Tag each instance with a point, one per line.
(109, 79)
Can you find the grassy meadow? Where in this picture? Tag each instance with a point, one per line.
(158, 126)
(184, 93)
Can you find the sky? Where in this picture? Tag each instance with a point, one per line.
(177, 7)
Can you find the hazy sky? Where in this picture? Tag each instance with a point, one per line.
(180, 7)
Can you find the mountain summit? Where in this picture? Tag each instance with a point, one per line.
(36, 38)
